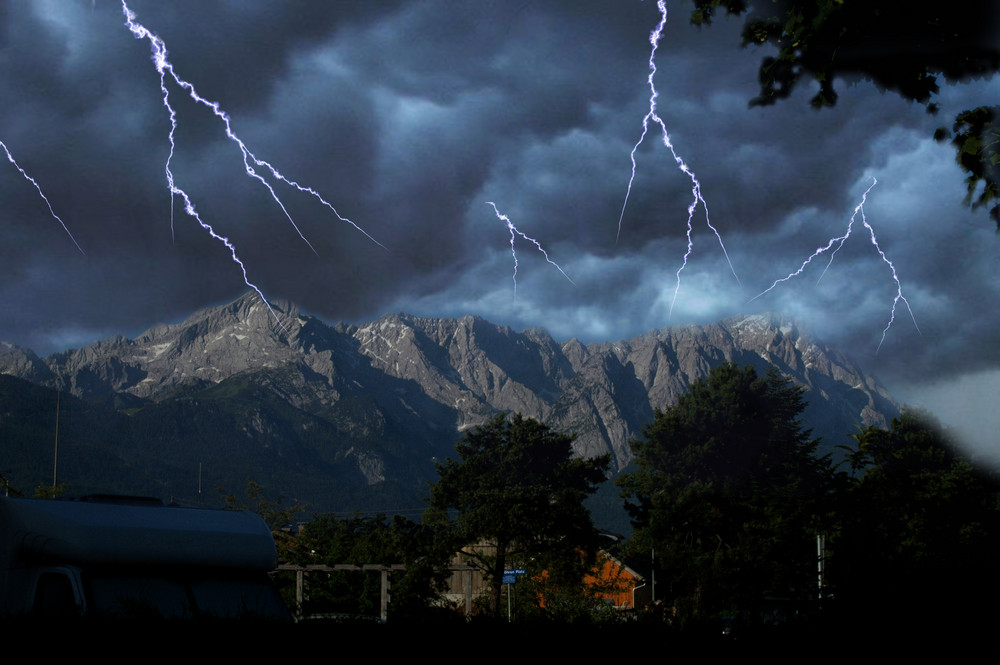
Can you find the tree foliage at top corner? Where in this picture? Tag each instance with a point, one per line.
(517, 486)
(895, 45)
(977, 146)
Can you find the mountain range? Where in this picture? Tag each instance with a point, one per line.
(350, 417)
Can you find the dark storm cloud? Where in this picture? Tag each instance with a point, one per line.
(409, 117)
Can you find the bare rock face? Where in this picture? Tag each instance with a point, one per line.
(427, 380)
(211, 345)
(23, 363)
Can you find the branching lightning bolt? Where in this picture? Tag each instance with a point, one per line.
(10, 158)
(514, 230)
(839, 242)
(162, 66)
(165, 68)
(654, 40)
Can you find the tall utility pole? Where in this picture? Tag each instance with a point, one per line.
(820, 562)
(55, 456)
(652, 558)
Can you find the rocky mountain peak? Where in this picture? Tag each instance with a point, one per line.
(21, 362)
(427, 379)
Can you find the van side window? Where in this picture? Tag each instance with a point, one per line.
(54, 596)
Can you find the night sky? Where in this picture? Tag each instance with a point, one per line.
(410, 117)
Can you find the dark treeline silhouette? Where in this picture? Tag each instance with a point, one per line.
(746, 530)
(742, 516)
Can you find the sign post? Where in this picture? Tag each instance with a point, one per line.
(510, 579)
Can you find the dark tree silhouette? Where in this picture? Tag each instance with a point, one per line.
(730, 494)
(516, 492)
(895, 45)
(920, 525)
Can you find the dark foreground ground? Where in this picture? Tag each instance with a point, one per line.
(457, 640)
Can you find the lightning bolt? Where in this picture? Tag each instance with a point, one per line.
(10, 158)
(514, 231)
(839, 242)
(654, 40)
(165, 69)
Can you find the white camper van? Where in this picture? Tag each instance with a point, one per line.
(128, 557)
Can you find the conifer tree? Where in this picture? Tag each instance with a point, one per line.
(730, 494)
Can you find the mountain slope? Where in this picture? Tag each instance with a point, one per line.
(372, 405)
